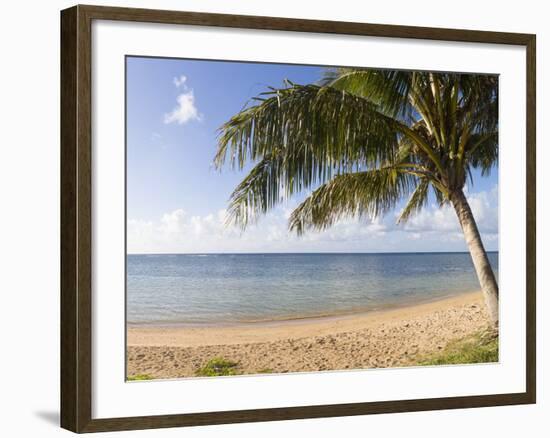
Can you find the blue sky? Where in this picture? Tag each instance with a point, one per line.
(176, 199)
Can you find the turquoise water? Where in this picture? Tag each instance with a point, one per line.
(232, 288)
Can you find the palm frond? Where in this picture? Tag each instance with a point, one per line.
(370, 193)
(258, 192)
(389, 89)
(482, 151)
(417, 201)
(361, 139)
(335, 129)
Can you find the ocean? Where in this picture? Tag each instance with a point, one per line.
(218, 289)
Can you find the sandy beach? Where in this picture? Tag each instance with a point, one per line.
(389, 338)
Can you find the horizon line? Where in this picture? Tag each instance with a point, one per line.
(305, 253)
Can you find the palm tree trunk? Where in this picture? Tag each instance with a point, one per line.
(482, 266)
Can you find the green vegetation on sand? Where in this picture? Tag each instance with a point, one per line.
(139, 377)
(479, 348)
(217, 366)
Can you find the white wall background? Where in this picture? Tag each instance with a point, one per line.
(29, 218)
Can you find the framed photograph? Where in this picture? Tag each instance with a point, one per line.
(268, 219)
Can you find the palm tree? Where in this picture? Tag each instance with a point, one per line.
(362, 140)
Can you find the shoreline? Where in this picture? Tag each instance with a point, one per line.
(383, 339)
(360, 311)
(194, 335)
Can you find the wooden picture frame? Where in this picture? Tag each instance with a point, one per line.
(76, 218)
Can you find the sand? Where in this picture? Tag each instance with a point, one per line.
(389, 338)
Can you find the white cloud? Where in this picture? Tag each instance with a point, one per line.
(179, 81)
(434, 229)
(185, 111)
(178, 231)
(484, 207)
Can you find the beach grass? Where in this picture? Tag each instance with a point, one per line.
(140, 377)
(217, 366)
(481, 347)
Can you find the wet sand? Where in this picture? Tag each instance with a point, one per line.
(389, 338)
